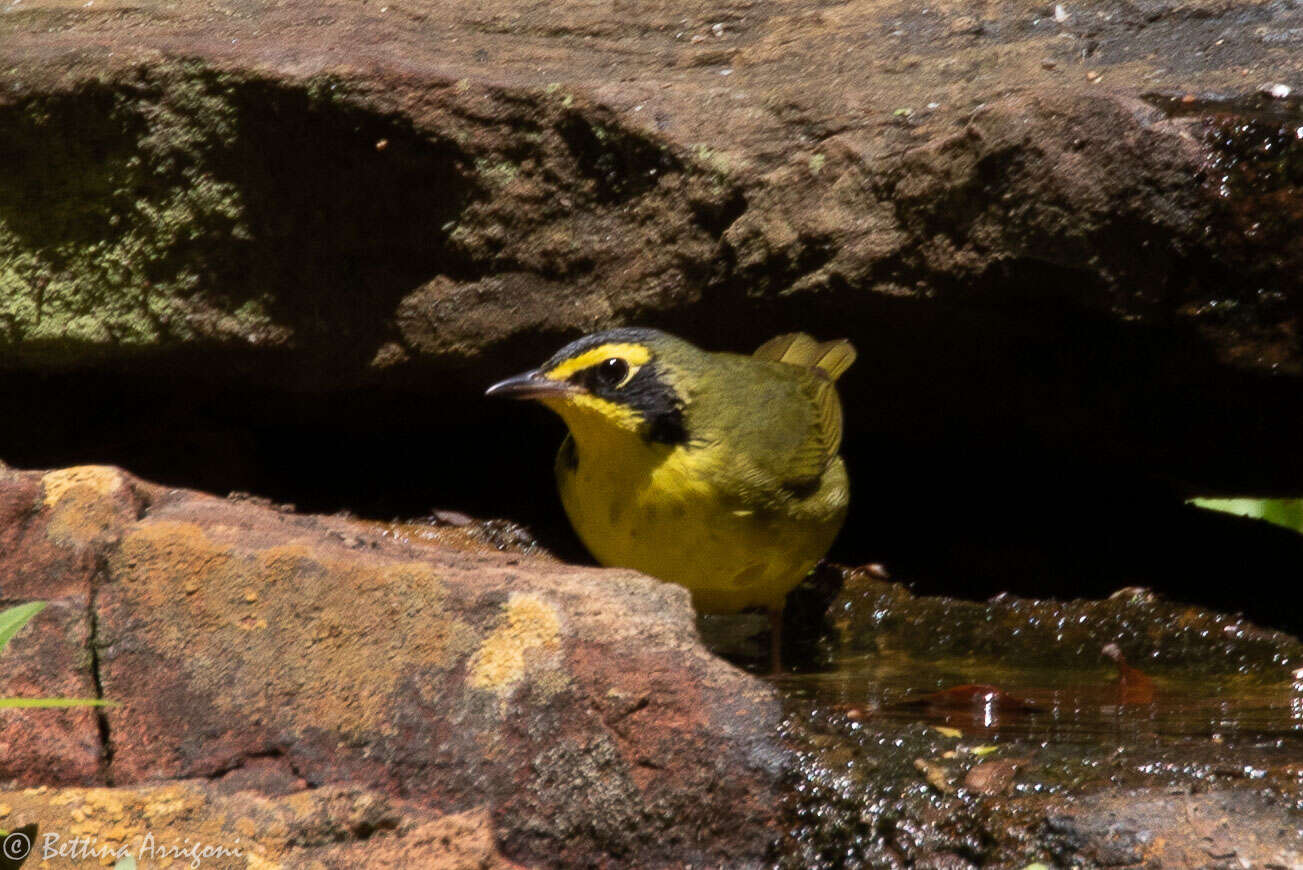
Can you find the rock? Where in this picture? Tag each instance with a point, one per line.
(559, 177)
(1155, 829)
(300, 241)
(872, 615)
(286, 655)
(567, 157)
(48, 659)
(327, 827)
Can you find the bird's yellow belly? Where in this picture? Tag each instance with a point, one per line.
(664, 519)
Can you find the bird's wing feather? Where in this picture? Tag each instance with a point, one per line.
(822, 363)
(785, 399)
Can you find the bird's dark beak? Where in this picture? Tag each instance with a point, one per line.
(529, 385)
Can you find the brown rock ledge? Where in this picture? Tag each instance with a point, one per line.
(572, 712)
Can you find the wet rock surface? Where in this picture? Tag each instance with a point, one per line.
(944, 733)
(260, 651)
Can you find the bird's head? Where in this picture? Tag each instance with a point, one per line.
(627, 380)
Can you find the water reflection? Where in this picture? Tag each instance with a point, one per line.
(997, 700)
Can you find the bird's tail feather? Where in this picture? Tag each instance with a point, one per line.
(798, 349)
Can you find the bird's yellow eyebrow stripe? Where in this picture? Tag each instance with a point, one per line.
(634, 354)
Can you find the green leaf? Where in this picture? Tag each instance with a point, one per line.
(13, 619)
(1286, 512)
(27, 703)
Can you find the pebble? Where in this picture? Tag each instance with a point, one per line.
(1276, 90)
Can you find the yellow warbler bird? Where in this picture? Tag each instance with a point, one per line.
(716, 471)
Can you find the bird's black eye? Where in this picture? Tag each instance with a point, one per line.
(612, 372)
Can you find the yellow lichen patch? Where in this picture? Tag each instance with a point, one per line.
(530, 623)
(101, 479)
(81, 511)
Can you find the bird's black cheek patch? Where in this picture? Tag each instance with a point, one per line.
(667, 429)
(660, 406)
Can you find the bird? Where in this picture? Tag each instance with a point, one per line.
(718, 471)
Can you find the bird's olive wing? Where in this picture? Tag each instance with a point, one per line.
(779, 427)
(820, 432)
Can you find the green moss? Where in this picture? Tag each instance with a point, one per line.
(103, 233)
(173, 204)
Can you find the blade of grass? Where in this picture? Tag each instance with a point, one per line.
(1285, 512)
(28, 703)
(13, 619)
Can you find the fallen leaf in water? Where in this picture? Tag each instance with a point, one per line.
(1134, 686)
(944, 731)
(936, 775)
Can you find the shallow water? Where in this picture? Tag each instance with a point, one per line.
(1041, 703)
(1066, 729)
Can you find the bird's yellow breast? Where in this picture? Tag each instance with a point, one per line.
(657, 508)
